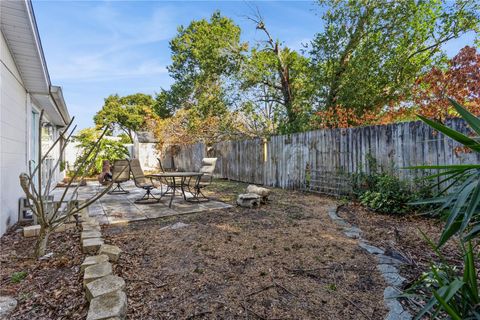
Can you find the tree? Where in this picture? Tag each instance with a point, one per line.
(204, 56)
(460, 81)
(280, 83)
(165, 104)
(185, 128)
(129, 114)
(370, 53)
(108, 149)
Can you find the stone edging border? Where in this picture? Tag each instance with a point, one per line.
(104, 291)
(386, 265)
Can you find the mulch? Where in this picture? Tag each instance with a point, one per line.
(403, 234)
(52, 288)
(286, 260)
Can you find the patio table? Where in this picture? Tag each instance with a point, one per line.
(172, 184)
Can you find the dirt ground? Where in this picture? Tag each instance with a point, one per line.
(286, 260)
(403, 235)
(52, 288)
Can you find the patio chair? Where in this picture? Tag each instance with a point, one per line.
(207, 168)
(164, 168)
(120, 174)
(142, 182)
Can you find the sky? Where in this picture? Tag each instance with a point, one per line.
(97, 48)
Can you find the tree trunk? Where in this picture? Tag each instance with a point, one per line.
(354, 41)
(41, 245)
(283, 72)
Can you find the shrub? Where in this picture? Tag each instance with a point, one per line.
(108, 150)
(384, 193)
(447, 289)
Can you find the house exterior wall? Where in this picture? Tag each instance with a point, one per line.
(14, 108)
(19, 137)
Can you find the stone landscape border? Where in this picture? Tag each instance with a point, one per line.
(386, 265)
(104, 291)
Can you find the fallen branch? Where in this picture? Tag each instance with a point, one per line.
(282, 287)
(260, 290)
(353, 304)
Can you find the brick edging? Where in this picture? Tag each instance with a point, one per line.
(386, 265)
(104, 290)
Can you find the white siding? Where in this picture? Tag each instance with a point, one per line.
(13, 136)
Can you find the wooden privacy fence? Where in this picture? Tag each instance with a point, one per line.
(282, 161)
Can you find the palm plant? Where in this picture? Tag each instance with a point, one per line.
(447, 290)
(461, 195)
(451, 293)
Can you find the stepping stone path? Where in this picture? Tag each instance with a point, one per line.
(31, 231)
(110, 305)
(97, 271)
(112, 252)
(103, 286)
(249, 200)
(104, 291)
(262, 192)
(91, 227)
(90, 234)
(92, 260)
(91, 245)
(387, 266)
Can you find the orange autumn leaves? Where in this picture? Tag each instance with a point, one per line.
(460, 81)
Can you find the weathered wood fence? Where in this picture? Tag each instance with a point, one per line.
(282, 160)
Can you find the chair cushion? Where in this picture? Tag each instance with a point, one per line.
(208, 165)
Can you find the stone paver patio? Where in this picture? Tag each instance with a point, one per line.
(120, 208)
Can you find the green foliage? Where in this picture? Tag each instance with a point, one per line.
(265, 101)
(129, 114)
(383, 193)
(124, 138)
(108, 149)
(461, 196)
(386, 193)
(452, 291)
(63, 166)
(448, 292)
(204, 55)
(165, 103)
(371, 52)
(17, 277)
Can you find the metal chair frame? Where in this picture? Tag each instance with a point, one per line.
(116, 176)
(148, 197)
(196, 190)
(118, 189)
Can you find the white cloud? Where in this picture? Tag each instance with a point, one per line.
(115, 50)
